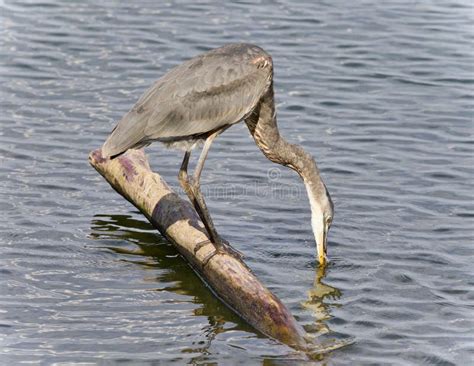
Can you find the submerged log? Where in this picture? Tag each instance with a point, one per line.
(229, 278)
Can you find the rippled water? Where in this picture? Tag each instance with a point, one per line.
(380, 92)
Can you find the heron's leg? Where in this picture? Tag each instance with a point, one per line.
(193, 190)
(199, 199)
(185, 181)
(183, 176)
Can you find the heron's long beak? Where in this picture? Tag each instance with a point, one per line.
(321, 243)
(319, 226)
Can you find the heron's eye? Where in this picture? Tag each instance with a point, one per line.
(329, 221)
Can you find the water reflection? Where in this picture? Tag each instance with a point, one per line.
(316, 296)
(318, 304)
(137, 242)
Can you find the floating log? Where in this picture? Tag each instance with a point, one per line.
(229, 278)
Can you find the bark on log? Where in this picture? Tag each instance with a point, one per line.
(230, 279)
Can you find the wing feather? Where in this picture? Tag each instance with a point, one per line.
(203, 94)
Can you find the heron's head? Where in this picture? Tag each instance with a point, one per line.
(322, 213)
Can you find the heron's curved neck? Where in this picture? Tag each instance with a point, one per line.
(263, 127)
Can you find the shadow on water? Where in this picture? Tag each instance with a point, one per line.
(182, 279)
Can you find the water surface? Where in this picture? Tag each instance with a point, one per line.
(381, 93)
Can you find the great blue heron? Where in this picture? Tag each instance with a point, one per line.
(199, 99)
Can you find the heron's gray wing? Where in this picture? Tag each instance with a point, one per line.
(203, 94)
(209, 92)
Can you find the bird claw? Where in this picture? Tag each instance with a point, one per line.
(226, 248)
(221, 247)
(201, 244)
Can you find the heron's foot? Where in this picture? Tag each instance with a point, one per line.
(222, 247)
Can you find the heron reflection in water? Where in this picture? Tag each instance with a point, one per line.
(197, 101)
(316, 296)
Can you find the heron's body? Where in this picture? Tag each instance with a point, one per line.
(205, 94)
(202, 97)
